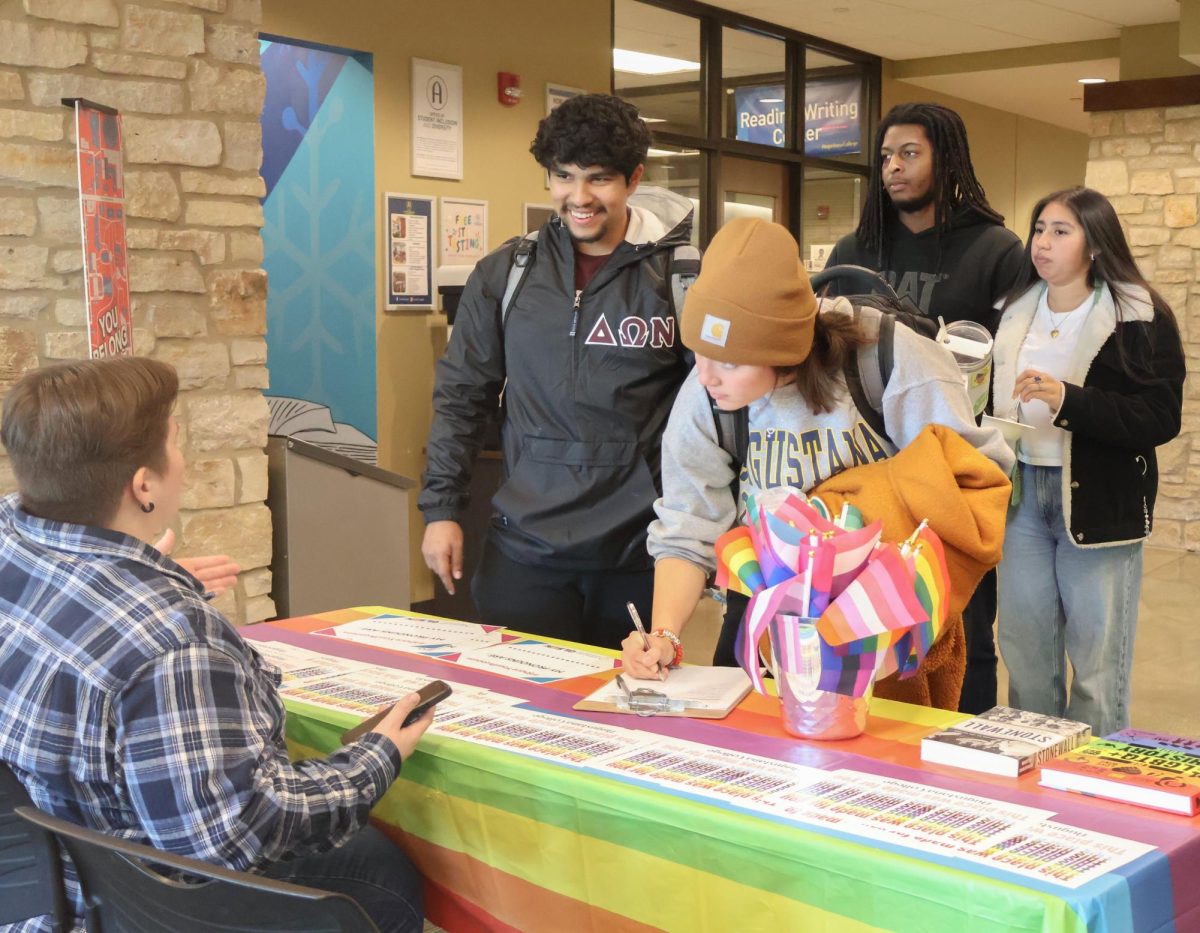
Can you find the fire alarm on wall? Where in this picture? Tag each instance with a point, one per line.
(822, 212)
(508, 88)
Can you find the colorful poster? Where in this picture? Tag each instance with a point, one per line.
(833, 116)
(409, 221)
(320, 238)
(102, 209)
(437, 121)
(761, 115)
(464, 231)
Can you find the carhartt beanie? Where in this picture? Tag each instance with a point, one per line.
(752, 303)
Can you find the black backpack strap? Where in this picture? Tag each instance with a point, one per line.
(733, 434)
(683, 265)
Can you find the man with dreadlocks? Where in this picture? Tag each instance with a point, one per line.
(943, 247)
(934, 236)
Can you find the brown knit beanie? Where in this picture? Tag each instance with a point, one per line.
(752, 303)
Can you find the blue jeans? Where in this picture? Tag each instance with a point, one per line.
(1059, 602)
(371, 870)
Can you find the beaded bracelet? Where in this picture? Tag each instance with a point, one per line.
(675, 642)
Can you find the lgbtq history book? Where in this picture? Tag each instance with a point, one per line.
(1144, 768)
(1004, 741)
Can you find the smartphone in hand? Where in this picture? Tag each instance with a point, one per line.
(430, 695)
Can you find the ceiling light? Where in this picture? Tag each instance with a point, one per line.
(643, 63)
(653, 120)
(667, 153)
(770, 100)
(1093, 80)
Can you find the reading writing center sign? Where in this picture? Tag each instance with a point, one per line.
(832, 123)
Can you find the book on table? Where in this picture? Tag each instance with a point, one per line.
(1004, 741)
(1148, 769)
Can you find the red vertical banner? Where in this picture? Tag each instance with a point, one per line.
(102, 208)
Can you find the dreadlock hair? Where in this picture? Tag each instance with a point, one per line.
(954, 181)
(592, 129)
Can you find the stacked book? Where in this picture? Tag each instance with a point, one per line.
(1004, 741)
(1144, 768)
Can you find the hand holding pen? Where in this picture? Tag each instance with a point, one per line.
(640, 658)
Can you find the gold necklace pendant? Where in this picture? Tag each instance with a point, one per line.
(1054, 333)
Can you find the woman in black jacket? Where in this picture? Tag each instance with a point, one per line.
(1088, 355)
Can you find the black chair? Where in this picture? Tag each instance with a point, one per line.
(122, 895)
(30, 870)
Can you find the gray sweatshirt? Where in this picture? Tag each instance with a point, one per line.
(791, 446)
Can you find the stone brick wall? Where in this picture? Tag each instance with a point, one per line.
(1148, 164)
(185, 76)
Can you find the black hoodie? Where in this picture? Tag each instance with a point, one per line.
(957, 276)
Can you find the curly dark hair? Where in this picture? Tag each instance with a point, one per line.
(593, 129)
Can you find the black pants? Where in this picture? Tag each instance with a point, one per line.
(979, 615)
(735, 608)
(579, 605)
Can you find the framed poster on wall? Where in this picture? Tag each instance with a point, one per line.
(557, 93)
(437, 119)
(535, 216)
(409, 222)
(464, 229)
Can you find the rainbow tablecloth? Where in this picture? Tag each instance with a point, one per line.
(513, 843)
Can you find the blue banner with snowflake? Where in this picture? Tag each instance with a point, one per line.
(319, 234)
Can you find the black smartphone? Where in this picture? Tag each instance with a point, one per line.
(430, 695)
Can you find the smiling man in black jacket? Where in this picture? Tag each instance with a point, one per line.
(589, 360)
(927, 226)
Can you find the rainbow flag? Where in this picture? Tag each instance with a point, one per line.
(737, 564)
(931, 584)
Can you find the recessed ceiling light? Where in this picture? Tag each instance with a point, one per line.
(770, 100)
(1093, 80)
(653, 120)
(644, 63)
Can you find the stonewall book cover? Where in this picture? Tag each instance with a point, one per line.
(1004, 741)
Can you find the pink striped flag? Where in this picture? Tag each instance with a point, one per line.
(879, 603)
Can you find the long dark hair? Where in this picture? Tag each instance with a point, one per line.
(1112, 263)
(954, 181)
(819, 377)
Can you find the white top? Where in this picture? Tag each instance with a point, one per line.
(1049, 347)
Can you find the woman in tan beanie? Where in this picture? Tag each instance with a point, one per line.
(752, 320)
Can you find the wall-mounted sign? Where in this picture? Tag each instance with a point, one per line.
(437, 124)
(409, 222)
(102, 208)
(833, 116)
(760, 114)
(464, 231)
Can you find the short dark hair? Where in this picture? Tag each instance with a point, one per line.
(77, 432)
(954, 181)
(593, 129)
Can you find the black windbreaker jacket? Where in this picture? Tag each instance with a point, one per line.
(586, 400)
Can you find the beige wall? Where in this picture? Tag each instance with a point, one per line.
(484, 37)
(1017, 160)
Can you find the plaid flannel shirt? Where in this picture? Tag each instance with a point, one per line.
(131, 706)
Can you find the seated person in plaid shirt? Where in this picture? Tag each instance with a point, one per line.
(127, 703)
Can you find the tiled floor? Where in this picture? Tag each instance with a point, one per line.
(1166, 660)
